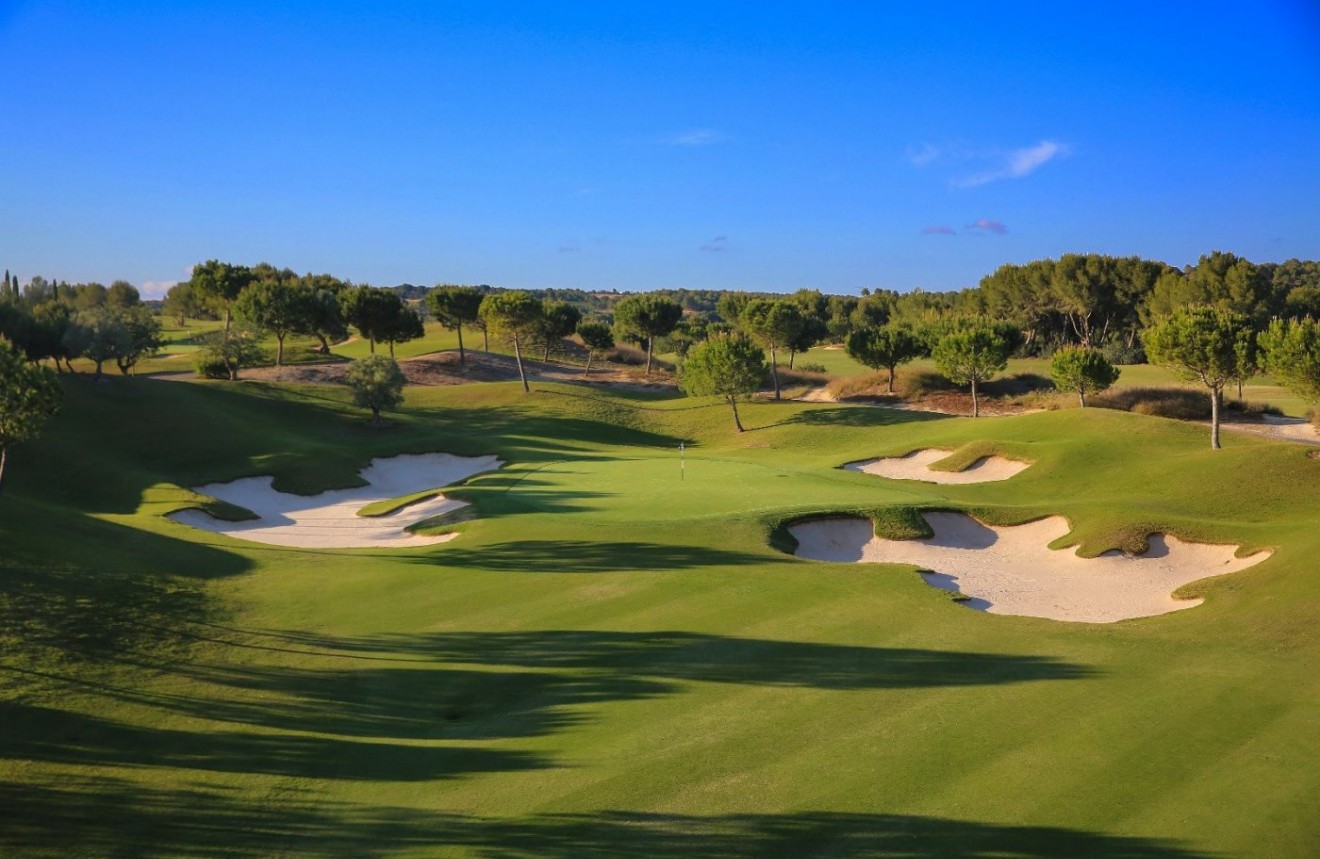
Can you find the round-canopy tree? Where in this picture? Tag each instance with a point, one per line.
(453, 307)
(277, 306)
(1292, 352)
(597, 337)
(728, 367)
(558, 320)
(1209, 345)
(774, 323)
(219, 284)
(971, 356)
(647, 317)
(377, 383)
(515, 315)
(883, 348)
(29, 395)
(1086, 371)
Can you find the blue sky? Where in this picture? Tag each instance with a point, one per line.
(765, 146)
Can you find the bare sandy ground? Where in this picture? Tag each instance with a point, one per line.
(1011, 570)
(917, 466)
(329, 520)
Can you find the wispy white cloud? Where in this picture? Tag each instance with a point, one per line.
(716, 245)
(696, 137)
(925, 156)
(1016, 164)
(988, 226)
(156, 288)
(938, 230)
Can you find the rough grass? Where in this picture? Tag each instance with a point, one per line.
(1180, 403)
(612, 658)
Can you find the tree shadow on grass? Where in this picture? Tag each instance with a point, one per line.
(114, 817)
(584, 556)
(47, 735)
(859, 416)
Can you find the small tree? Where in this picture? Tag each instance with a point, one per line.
(558, 320)
(728, 367)
(1202, 344)
(597, 337)
(372, 311)
(515, 315)
(646, 317)
(98, 335)
(1292, 353)
(403, 325)
(453, 307)
(774, 324)
(275, 306)
(1086, 371)
(142, 337)
(223, 354)
(377, 383)
(29, 395)
(325, 317)
(219, 285)
(970, 357)
(884, 348)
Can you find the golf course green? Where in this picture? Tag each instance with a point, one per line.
(617, 655)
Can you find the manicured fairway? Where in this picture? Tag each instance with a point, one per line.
(612, 659)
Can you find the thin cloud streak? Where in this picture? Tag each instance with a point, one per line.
(1018, 163)
(696, 137)
(989, 226)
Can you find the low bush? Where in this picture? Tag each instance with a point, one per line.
(812, 368)
(1121, 353)
(210, 367)
(1186, 404)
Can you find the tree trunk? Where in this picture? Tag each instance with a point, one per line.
(733, 403)
(1214, 418)
(375, 416)
(649, 341)
(517, 356)
(891, 379)
(1081, 397)
(372, 341)
(279, 350)
(792, 353)
(325, 344)
(4, 452)
(774, 370)
(545, 358)
(98, 376)
(485, 339)
(462, 359)
(391, 350)
(229, 316)
(976, 405)
(587, 372)
(1239, 389)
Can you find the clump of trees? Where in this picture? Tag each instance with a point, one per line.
(29, 396)
(1292, 353)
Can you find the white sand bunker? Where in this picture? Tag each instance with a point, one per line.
(330, 520)
(916, 466)
(1011, 570)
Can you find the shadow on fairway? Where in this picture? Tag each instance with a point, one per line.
(48, 735)
(582, 556)
(860, 416)
(113, 817)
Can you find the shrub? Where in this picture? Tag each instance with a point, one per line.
(1121, 353)
(210, 367)
(1178, 403)
(812, 368)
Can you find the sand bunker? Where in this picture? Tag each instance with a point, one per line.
(329, 520)
(916, 466)
(1011, 570)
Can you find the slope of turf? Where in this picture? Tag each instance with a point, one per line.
(613, 660)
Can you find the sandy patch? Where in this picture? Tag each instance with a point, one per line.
(329, 520)
(917, 466)
(1011, 570)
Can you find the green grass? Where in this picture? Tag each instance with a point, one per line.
(612, 659)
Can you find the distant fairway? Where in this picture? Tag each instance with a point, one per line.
(613, 658)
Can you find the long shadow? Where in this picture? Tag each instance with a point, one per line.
(113, 818)
(859, 416)
(581, 556)
(48, 735)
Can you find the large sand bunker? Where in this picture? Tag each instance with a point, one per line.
(1012, 571)
(330, 520)
(916, 466)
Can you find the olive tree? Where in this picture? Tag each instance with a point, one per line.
(883, 348)
(377, 383)
(1086, 371)
(515, 315)
(1292, 353)
(970, 357)
(646, 317)
(1203, 344)
(728, 367)
(597, 337)
(29, 395)
(453, 307)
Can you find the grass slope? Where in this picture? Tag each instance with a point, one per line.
(612, 660)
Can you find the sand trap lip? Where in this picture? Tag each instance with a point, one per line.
(1010, 570)
(329, 520)
(916, 466)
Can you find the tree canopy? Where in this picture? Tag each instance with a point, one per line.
(728, 367)
(884, 348)
(453, 307)
(970, 357)
(1204, 344)
(1086, 371)
(515, 315)
(29, 396)
(1292, 353)
(646, 317)
(377, 384)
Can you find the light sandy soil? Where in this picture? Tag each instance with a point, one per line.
(1012, 571)
(917, 466)
(329, 520)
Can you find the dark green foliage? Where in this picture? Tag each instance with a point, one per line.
(597, 336)
(278, 306)
(218, 284)
(1292, 353)
(515, 315)
(1210, 345)
(228, 352)
(380, 315)
(728, 367)
(456, 306)
(377, 383)
(774, 324)
(971, 356)
(1086, 371)
(883, 348)
(29, 396)
(558, 320)
(646, 317)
